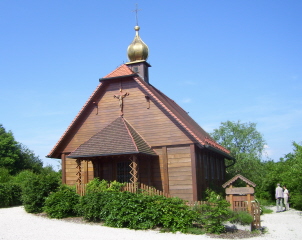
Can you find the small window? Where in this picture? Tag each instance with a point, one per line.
(123, 172)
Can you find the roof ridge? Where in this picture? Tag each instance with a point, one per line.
(134, 143)
(127, 122)
(114, 139)
(122, 70)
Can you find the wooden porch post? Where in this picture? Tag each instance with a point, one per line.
(165, 170)
(85, 175)
(63, 165)
(134, 169)
(79, 180)
(149, 171)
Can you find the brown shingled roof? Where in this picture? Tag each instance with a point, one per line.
(182, 117)
(122, 70)
(117, 138)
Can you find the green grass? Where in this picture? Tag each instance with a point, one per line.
(266, 210)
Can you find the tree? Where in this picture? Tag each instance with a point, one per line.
(16, 157)
(246, 145)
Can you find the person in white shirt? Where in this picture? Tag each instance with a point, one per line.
(279, 198)
(285, 197)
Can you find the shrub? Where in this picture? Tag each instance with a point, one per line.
(214, 213)
(62, 203)
(36, 188)
(10, 194)
(4, 175)
(242, 217)
(296, 200)
(23, 177)
(136, 211)
(96, 185)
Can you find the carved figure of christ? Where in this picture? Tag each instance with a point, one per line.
(120, 98)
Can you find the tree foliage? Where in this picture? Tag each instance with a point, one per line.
(246, 145)
(286, 172)
(16, 157)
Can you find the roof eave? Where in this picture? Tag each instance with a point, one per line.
(219, 152)
(109, 154)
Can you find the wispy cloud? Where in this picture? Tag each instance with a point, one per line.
(186, 100)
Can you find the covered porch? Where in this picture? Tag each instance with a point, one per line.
(117, 153)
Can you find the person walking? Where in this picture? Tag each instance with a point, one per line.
(279, 198)
(285, 197)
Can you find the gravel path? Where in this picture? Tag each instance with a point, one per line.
(16, 224)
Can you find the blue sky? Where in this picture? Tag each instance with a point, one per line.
(219, 60)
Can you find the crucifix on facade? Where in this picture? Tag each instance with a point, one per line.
(120, 98)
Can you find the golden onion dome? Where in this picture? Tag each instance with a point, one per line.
(137, 50)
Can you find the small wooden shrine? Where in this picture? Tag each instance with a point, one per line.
(240, 198)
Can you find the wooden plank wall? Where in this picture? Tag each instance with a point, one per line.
(210, 169)
(71, 171)
(180, 174)
(151, 123)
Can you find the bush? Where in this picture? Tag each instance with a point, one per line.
(295, 200)
(242, 217)
(10, 194)
(136, 211)
(62, 203)
(4, 175)
(36, 188)
(23, 177)
(214, 213)
(96, 185)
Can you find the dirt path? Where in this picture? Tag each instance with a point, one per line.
(16, 224)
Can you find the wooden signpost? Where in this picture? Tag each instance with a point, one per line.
(240, 198)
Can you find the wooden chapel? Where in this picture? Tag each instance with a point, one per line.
(130, 131)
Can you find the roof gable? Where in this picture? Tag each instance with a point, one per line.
(238, 176)
(116, 139)
(170, 107)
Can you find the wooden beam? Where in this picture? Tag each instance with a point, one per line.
(165, 170)
(193, 167)
(63, 165)
(85, 172)
(134, 169)
(149, 171)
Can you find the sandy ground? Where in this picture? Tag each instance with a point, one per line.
(16, 224)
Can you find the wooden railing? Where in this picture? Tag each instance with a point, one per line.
(130, 187)
(143, 188)
(240, 206)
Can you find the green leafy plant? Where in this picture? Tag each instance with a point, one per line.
(10, 194)
(36, 188)
(4, 175)
(136, 211)
(97, 185)
(214, 213)
(242, 217)
(62, 203)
